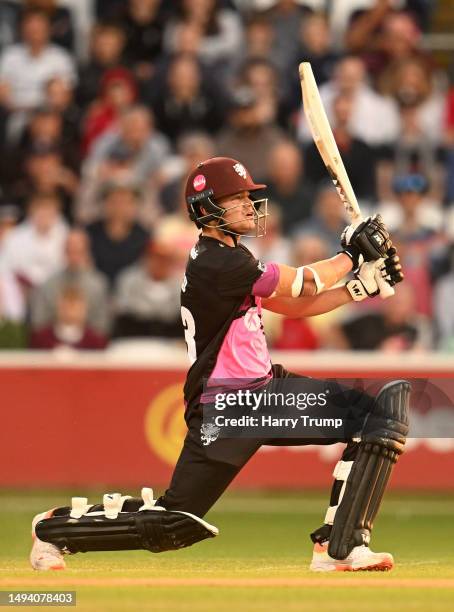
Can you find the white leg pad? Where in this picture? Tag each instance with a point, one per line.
(341, 471)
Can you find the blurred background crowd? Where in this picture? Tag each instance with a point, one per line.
(106, 105)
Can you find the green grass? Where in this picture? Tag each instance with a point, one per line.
(264, 537)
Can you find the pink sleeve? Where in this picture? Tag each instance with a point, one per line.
(267, 283)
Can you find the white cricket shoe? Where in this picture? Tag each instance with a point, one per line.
(44, 555)
(360, 559)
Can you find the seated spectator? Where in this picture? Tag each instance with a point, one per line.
(118, 91)
(135, 132)
(69, 327)
(220, 30)
(33, 250)
(316, 47)
(185, 104)
(416, 227)
(263, 79)
(397, 327)
(147, 296)
(60, 99)
(46, 174)
(286, 18)
(118, 240)
(249, 130)
(421, 116)
(143, 24)
(106, 51)
(60, 19)
(327, 220)
(350, 79)
(13, 333)
(192, 148)
(411, 215)
(25, 68)
(287, 187)
(358, 157)
(384, 36)
(78, 271)
(119, 168)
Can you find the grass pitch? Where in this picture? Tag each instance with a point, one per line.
(258, 563)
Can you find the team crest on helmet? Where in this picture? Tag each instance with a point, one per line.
(241, 170)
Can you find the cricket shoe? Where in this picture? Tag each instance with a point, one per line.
(360, 559)
(44, 555)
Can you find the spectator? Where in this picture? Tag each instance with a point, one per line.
(263, 79)
(78, 272)
(185, 104)
(46, 174)
(45, 131)
(25, 68)
(118, 240)
(118, 90)
(220, 30)
(316, 47)
(421, 111)
(287, 187)
(286, 18)
(60, 99)
(249, 130)
(358, 157)
(106, 52)
(135, 132)
(192, 148)
(118, 169)
(69, 327)
(33, 250)
(60, 19)
(147, 295)
(143, 23)
(417, 229)
(374, 117)
(327, 220)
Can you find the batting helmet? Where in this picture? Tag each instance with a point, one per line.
(213, 179)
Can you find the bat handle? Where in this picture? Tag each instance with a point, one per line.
(386, 290)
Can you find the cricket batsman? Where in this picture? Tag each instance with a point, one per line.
(222, 296)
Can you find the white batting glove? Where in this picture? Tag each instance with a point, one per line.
(364, 284)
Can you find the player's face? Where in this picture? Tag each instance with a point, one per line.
(240, 215)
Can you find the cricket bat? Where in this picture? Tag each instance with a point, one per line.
(327, 147)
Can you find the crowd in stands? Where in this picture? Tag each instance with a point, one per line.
(106, 105)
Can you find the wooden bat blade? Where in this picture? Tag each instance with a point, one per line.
(327, 147)
(324, 139)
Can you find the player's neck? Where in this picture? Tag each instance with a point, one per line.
(213, 232)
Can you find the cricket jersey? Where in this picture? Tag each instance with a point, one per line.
(221, 312)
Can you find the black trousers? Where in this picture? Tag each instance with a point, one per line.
(200, 478)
